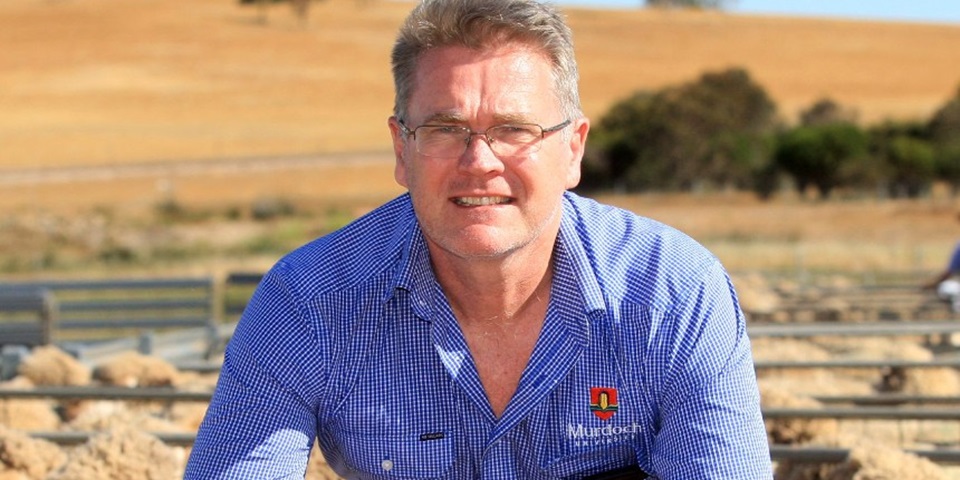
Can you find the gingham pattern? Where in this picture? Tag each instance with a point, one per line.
(350, 340)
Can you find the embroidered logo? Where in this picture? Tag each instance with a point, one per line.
(603, 402)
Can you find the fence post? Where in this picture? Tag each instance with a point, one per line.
(146, 343)
(10, 359)
(49, 313)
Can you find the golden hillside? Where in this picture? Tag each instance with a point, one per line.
(109, 81)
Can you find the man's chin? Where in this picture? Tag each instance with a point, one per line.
(489, 245)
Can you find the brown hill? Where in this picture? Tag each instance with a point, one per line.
(114, 81)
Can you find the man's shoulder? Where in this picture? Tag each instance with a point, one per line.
(604, 227)
(635, 258)
(356, 251)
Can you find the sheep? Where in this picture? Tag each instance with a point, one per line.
(51, 366)
(132, 369)
(26, 413)
(795, 430)
(123, 454)
(26, 458)
(865, 462)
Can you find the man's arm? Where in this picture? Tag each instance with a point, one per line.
(711, 426)
(261, 422)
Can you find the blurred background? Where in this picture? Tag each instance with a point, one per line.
(197, 136)
(813, 146)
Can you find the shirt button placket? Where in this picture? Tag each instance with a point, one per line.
(496, 461)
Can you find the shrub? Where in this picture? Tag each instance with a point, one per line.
(266, 208)
(947, 160)
(818, 155)
(944, 125)
(714, 132)
(826, 111)
(906, 158)
(913, 166)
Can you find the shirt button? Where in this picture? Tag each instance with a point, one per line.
(387, 464)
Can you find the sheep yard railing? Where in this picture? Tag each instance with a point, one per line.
(87, 309)
(29, 317)
(777, 452)
(177, 318)
(866, 302)
(207, 308)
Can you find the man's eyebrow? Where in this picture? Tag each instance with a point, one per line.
(445, 117)
(512, 118)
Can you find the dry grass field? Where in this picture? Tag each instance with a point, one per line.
(113, 82)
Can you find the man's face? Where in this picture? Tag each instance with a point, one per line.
(479, 204)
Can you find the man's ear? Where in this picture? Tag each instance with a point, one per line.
(399, 145)
(577, 145)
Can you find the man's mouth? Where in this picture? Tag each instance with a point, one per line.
(480, 201)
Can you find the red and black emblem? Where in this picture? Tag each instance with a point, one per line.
(603, 402)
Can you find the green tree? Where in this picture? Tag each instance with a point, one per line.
(913, 164)
(944, 125)
(819, 155)
(825, 111)
(904, 156)
(714, 132)
(944, 134)
(948, 165)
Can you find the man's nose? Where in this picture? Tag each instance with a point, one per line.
(479, 157)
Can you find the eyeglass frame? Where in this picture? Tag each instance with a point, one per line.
(471, 133)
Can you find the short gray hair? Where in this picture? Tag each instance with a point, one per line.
(480, 24)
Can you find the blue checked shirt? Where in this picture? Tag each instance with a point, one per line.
(643, 360)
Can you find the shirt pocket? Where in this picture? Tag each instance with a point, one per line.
(378, 457)
(597, 459)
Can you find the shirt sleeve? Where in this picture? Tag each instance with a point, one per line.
(711, 425)
(954, 266)
(261, 422)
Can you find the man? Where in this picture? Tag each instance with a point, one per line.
(946, 284)
(488, 323)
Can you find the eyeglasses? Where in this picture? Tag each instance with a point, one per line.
(508, 140)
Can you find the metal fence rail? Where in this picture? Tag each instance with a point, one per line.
(903, 300)
(878, 328)
(126, 303)
(837, 455)
(28, 315)
(68, 438)
(108, 393)
(865, 413)
(890, 399)
(188, 346)
(858, 363)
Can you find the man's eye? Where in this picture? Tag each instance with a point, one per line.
(448, 130)
(515, 133)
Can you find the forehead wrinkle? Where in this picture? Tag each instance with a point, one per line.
(445, 117)
(458, 119)
(484, 105)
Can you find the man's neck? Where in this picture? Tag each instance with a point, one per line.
(496, 291)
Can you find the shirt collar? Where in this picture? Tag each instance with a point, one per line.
(414, 274)
(574, 260)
